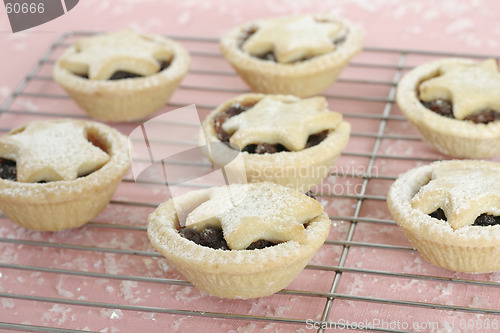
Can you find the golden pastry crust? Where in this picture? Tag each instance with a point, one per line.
(452, 137)
(455, 246)
(232, 273)
(304, 78)
(58, 205)
(125, 99)
(297, 169)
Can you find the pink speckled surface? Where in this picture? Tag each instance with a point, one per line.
(128, 291)
(448, 25)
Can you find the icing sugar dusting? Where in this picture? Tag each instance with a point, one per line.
(57, 314)
(293, 38)
(61, 290)
(472, 88)
(111, 313)
(459, 25)
(259, 211)
(50, 151)
(128, 291)
(463, 194)
(101, 55)
(266, 122)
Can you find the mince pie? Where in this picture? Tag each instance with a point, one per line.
(450, 212)
(60, 174)
(455, 105)
(300, 55)
(122, 76)
(269, 233)
(282, 138)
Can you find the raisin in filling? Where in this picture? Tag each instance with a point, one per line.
(261, 148)
(445, 108)
(482, 220)
(221, 118)
(8, 169)
(270, 56)
(310, 194)
(316, 139)
(264, 148)
(120, 75)
(213, 238)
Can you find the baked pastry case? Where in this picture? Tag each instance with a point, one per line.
(106, 277)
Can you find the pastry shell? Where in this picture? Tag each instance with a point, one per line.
(231, 273)
(303, 79)
(471, 249)
(60, 205)
(301, 170)
(126, 99)
(449, 136)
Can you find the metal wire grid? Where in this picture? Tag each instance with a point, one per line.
(346, 243)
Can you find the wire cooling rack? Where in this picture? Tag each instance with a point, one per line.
(106, 277)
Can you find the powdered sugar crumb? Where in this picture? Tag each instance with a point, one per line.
(57, 314)
(176, 325)
(459, 26)
(128, 290)
(60, 289)
(111, 313)
(7, 303)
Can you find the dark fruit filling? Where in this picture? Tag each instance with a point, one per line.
(8, 169)
(213, 238)
(486, 220)
(120, 75)
(264, 148)
(439, 214)
(221, 118)
(441, 107)
(482, 220)
(269, 56)
(209, 237)
(316, 139)
(261, 148)
(445, 108)
(484, 117)
(310, 194)
(245, 35)
(339, 41)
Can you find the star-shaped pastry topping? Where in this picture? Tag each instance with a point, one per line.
(463, 194)
(101, 56)
(288, 123)
(293, 38)
(52, 151)
(250, 212)
(471, 88)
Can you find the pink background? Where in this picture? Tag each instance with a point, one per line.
(470, 26)
(447, 26)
